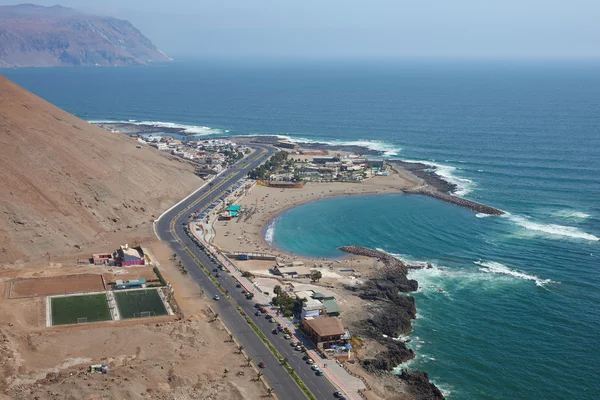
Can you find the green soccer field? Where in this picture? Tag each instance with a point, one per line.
(79, 309)
(140, 303)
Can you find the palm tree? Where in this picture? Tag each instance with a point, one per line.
(315, 276)
(215, 317)
(174, 256)
(258, 375)
(248, 361)
(240, 348)
(231, 337)
(277, 290)
(270, 392)
(284, 361)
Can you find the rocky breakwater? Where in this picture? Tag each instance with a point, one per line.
(390, 315)
(459, 201)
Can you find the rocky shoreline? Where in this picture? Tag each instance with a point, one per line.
(390, 316)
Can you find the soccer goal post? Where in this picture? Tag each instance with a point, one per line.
(82, 320)
(144, 314)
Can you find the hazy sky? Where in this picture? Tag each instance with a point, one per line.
(361, 28)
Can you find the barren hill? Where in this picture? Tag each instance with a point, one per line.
(65, 183)
(38, 36)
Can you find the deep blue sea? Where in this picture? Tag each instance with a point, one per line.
(519, 316)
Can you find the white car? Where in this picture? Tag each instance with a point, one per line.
(286, 336)
(314, 367)
(216, 297)
(298, 348)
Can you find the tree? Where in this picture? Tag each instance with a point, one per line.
(258, 375)
(284, 361)
(277, 290)
(248, 361)
(316, 276)
(240, 348)
(231, 337)
(174, 256)
(215, 317)
(270, 392)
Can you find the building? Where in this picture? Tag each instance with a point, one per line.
(323, 160)
(325, 331)
(127, 256)
(311, 307)
(103, 259)
(295, 269)
(286, 144)
(138, 283)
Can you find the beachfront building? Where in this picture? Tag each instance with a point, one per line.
(311, 308)
(295, 269)
(329, 336)
(127, 256)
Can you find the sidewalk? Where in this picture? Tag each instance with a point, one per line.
(336, 374)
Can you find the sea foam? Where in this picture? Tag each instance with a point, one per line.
(387, 149)
(270, 232)
(493, 267)
(570, 214)
(464, 186)
(552, 230)
(191, 129)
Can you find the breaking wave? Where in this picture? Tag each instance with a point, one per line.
(448, 173)
(191, 129)
(569, 214)
(553, 230)
(493, 267)
(377, 145)
(270, 232)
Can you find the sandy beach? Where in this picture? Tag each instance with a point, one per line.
(262, 204)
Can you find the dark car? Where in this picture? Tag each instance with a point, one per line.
(257, 305)
(337, 394)
(268, 316)
(238, 285)
(274, 331)
(263, 310)
(262, 365)
(319, 373)
(218, 275)
(257, 313)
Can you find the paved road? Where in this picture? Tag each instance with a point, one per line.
(171, 227)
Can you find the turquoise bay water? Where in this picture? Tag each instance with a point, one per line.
(519, 317)
(504, 326)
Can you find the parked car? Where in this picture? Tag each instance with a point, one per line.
(274, 331)
(298, 348)
(263, 310)
(216, 297)
(309, 361)
(306, 357)
(262, 365)
(315, 367)
(237, 285)
(286, 336)
(257, 313)
(319, 373)
(337, 394)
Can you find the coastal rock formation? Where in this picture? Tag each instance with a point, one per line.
(37, 36)
(390, 316)
(66, 184)
(459, 201)
(396, 354)
(419, 386)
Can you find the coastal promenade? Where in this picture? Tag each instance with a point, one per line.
(340, 377)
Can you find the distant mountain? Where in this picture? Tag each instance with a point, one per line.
(38, 36)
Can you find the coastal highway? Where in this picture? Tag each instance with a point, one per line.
(170, 227)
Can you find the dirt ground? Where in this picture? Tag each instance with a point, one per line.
(154, 358)
(56, 285)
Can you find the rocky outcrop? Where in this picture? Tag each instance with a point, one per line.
(419, 386)
(390, 316)
(37, 36)
(459, 201)
(396, 354)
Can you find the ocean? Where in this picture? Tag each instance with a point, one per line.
(518, 316)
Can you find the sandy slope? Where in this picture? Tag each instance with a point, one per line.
(65, 183)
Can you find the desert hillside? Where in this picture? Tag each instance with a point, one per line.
(66, 184)
(38, 36)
